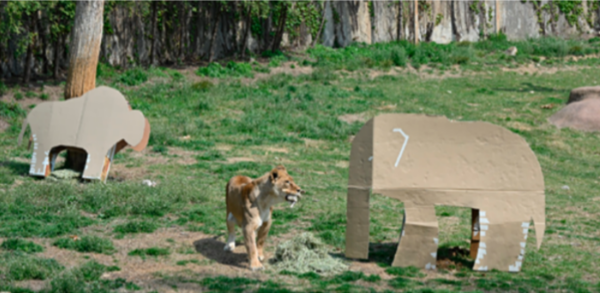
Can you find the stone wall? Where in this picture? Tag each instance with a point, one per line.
(130, 40)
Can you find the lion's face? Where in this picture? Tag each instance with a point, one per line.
(284, 185)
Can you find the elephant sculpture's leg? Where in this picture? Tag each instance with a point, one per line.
(40, 162)
(502, 242)
(419, 240)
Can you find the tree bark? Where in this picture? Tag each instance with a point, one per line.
(84, 51)
(213, 35)
(280, 28)
(84, 48)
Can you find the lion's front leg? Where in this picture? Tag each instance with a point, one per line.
(250, 242)
(263, 231)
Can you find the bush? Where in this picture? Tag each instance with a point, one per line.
(17, 244)
(133, 77)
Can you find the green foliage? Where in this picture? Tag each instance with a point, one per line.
(486, 52)
(18, 244)
(18, 96)
(3, 88)
(44, 97)
(86, 244)
(571, 9)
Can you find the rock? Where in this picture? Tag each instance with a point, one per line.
(512, 51)
(149, 183)
(583, 115)
(565, 187)
(582, 93)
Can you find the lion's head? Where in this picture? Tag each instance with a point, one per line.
(284, 186)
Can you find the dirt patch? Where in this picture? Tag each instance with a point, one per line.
(54, 92)
(276, 150)
(537, 69)
(239, 159)
(3, 125)
(519, 126)
(387, 107)
(351, 118)
(224, 147)
(369, 268)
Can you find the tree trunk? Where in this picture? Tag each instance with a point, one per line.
(213, 35)
(246, 31)
(84, 50)
(280, 28)
(153, 32)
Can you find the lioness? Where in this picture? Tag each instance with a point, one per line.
(250, 205)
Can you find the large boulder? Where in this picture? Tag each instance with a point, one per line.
(581, 115)
(583, 93)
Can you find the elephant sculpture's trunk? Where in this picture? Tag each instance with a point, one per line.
(539, 220)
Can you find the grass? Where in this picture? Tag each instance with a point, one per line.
(86, 244)
(299, 115)
(152, 251)
(18, 267)
(136, 226)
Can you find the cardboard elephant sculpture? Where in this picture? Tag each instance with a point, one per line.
(100, 122)
(425, 161)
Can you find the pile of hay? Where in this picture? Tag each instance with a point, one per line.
(306, 253)
(64, 175)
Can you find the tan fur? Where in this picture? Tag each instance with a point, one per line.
(250, 205)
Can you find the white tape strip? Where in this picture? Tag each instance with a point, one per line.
(403, 145)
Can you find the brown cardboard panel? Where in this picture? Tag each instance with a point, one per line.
(427, 161)
(359, 184)
(94, 122)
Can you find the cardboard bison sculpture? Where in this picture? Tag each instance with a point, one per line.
(426, 161)
(100, 122)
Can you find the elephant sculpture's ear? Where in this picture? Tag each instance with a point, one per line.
(144, 142)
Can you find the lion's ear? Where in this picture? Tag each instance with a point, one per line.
(274, 174)
(280, 167)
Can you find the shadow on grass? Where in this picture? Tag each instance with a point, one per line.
(17, 168)
(448, 257)
(212, 248)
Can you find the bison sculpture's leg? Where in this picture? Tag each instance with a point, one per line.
(94, 166)
(501, 242)
(419, 240)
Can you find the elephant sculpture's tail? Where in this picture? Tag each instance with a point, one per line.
(25, 123)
